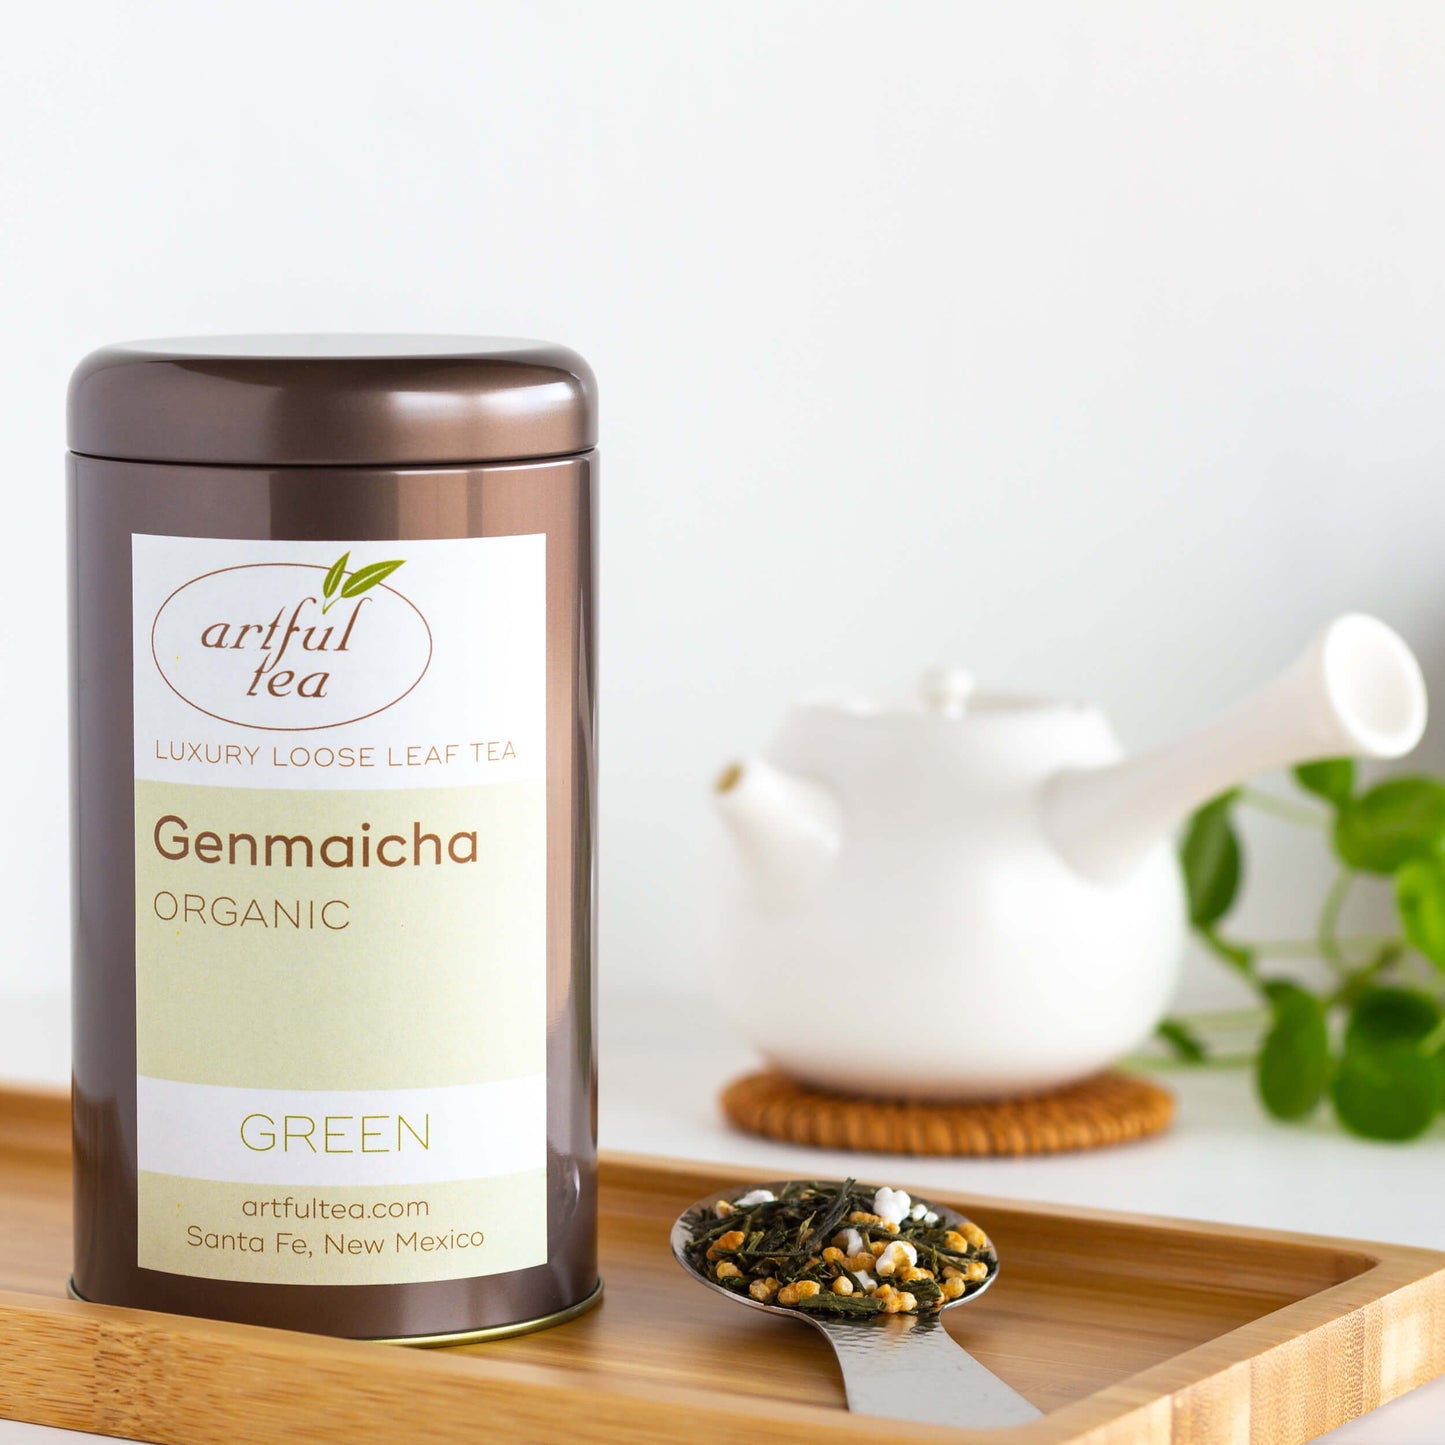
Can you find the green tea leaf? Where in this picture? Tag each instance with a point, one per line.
(1210, 856)
(1391, 824)
(365, 578)
(1420, 899)
(1183, 1040)
(1387, 1093)
(1383, 1018)
(334, 576)
(1332, 779)
(1292, 1071)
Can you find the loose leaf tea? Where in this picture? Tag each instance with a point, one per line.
(839, 1250)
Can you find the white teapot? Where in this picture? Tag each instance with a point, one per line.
(960, 895)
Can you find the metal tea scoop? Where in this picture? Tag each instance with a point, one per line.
(905, 1367)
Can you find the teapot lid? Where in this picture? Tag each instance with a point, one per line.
(943, 692)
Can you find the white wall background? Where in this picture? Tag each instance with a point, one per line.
(1100, 348)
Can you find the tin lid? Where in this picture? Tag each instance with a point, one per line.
(342, 400)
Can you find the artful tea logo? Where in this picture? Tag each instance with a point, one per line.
(292, 646)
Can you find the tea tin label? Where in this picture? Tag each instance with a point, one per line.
(341, 840)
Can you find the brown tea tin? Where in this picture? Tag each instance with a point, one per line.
(333, 787)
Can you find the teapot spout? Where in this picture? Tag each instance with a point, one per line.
(1356, 690)
(787, 829)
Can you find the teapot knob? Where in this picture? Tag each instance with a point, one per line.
(946, 690)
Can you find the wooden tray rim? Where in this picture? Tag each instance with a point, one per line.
(1394, 1285)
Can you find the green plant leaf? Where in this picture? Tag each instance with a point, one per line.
(1384, 1018)
(1420, 900)
(1292, 1071)
(1236, 955)
(1332, 779)
(1390, 824)
(1391, 1092)
(1184, 1041)
(365, 578)
(334, 576)
(1211, 859)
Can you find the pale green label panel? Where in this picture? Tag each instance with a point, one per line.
(348, 974)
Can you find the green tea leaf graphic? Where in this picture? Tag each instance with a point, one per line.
(367, 577)
(334, 576)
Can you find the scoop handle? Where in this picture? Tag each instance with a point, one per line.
(909, 1368)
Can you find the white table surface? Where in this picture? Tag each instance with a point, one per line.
(662, 1066)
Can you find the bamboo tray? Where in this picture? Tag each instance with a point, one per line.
(1126, 1330)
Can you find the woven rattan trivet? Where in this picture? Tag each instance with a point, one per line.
(1107, 1109)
